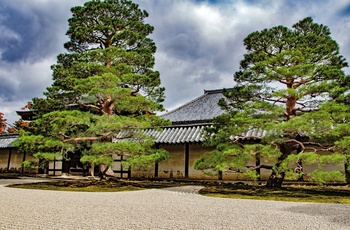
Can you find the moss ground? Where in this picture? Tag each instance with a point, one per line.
(296, 193)
(324, 194)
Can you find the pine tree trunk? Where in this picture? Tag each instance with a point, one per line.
(276, 179)
(105, 171)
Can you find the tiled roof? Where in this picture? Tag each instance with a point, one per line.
(188, 122)
(171, 135)
(6, 141)
(251, 134)
(189, 134)
(178, 134)
(200, 110)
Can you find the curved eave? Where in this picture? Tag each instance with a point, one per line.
(7, 140)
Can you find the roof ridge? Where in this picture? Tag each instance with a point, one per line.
(7, 135)
(187, 125)
(212, 91)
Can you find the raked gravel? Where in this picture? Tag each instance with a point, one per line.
(172, 208)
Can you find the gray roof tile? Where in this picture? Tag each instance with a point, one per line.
(7, 140)
(200, 110)
(251, 134)
(172, 134)
(188, 134)
(178, 135)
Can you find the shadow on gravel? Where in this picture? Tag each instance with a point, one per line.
(190, 189)
(334, 213)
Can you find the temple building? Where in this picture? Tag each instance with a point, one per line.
(182, 139)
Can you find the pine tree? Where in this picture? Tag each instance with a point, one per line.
(291, 101)
(104, 85)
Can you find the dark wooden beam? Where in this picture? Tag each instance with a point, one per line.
(187, 158)
(9, 161)
(156, 166)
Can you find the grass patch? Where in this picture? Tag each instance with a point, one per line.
(314, 194)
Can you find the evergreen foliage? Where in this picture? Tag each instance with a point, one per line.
(103, 85)
(292, 93)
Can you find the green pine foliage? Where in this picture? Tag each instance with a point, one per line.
(104, 85)
(290, 102)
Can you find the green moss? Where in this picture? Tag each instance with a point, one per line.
(317, 194)
(78, 187)
(289, 193)
(8, 176)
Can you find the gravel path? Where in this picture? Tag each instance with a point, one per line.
(171, 208)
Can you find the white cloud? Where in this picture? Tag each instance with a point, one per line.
(199, 45)
(9, 109)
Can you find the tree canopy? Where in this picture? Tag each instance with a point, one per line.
(6, 128)
(2, 123)
(290, 103)
(103, 85)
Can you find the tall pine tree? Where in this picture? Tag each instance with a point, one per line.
(105, 84)
(290, 89)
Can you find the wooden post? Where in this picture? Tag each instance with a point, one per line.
(9, 161)
(121, 166)
(54, 166)
(220, 175)
(24, 158)
(257, 163)
(65, 167)
(129, 172)
(187, 158)
(156, 166)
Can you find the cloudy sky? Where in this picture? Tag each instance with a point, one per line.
(199, 42)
